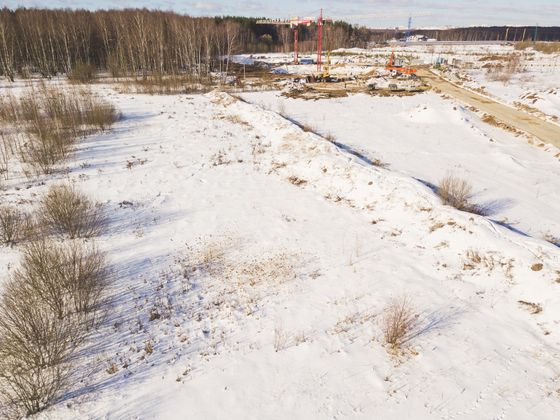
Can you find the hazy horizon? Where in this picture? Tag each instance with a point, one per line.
(374, 14)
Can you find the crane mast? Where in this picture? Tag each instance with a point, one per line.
(294, 23)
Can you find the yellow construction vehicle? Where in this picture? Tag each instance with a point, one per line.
(325, 75)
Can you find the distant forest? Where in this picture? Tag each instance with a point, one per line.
(481, 33)
(142, 42)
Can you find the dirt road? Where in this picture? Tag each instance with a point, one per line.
(543, 130)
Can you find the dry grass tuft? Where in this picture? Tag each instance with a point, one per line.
(330, 137)
(158, 84)
(82, 73)
(457, 192)
(50, 119)
(297, 181)
(399, 321)
(281, 338)
(544, 47)
(553, 239)
(533, 308)
(503, 72)
(65, 210)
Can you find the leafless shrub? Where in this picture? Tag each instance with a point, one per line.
(457, 192)
(101, 114)
(69, 278)
(504, 72)
(31, 229)
(398, 322)
(46, 310)
(498, 74)
(35, 350)
(47, 145)
(5, 154)
(68, 211)
(8, 108)
(11, 224)
(52, 118)
(82, 73)
(158, 84)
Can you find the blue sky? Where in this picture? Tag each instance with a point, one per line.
(373, 13)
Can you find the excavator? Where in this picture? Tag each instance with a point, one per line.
(397, 65)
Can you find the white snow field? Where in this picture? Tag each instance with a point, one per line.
(426, 138)
(254, 261)
(537, 90)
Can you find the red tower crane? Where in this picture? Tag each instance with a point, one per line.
(320, 41)
(294, 24)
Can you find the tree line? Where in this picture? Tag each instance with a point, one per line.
(146, 42)
(482, 33)
(141, 41)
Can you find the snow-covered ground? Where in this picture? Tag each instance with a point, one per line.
(426, 137)
(270, 254)
(534, 86)
(533, 90)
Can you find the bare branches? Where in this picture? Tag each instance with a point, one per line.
(65, 210)
(46, 311)
(141, 43)
(50, 119)
(11, 225)
(457, 192)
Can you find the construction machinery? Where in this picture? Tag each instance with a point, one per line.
(294, 24)
(397, 65)
(326, 73)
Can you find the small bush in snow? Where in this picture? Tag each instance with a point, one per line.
(51, 119)
(99, 114)
(35, 351)
(68, 211)
(82, 73)
(399, 320)
(11, 224)
(70, 278)
(46, 311)
(457, 192)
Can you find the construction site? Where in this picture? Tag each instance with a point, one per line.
(218, 217)
(326, 74)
